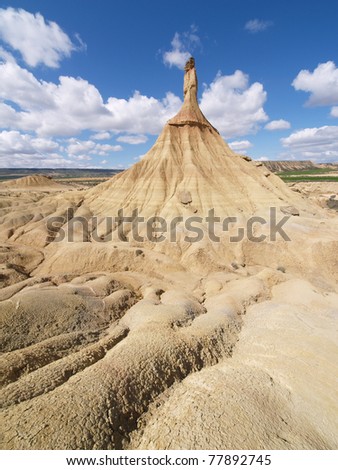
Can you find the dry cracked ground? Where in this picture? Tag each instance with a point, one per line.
(137, 357)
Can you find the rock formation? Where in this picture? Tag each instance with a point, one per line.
(37, 181)
(191, 156)
(109, 342)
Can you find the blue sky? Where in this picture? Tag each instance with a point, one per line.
(88, 83)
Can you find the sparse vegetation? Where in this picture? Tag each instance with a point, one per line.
(309, 171)
(308, 178)
(310, 174)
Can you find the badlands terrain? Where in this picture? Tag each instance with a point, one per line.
(170, 340)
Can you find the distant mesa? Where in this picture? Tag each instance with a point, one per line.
(289, 165)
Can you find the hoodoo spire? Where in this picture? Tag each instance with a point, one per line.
(190, 112)
(191, 169)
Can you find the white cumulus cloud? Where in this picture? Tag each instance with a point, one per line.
(19, 86)
(7, 116)
(13, 142)
(256, 26)
(25, 151)
(5, 55)
(234, 106)
(38, 41)
(182, 46)
(101, 136)
(240, 145)
(334, 111)
(277, 125)
(73, 105)
(322, 84)
(106, 148)
(77, 147)
(133, 139)
(315, 143)
(82, 158)
(141, 114)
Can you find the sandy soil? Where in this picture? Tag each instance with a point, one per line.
(111, 343)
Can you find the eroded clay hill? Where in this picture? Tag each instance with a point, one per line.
(191, 170)
(109, 342)
(38, 182)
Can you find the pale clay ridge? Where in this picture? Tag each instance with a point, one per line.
(33, 181)
(182, 345)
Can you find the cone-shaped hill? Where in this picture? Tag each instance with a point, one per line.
(190, 170)
(36, 181)
(128, 344)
